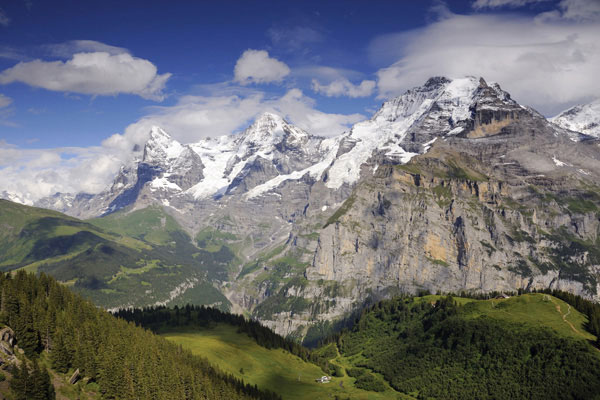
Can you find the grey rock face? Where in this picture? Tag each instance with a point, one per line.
(497, 206)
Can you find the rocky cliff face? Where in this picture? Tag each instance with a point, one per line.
(501, 201)
(452, 186)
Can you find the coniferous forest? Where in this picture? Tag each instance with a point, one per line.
(428, 350)
(126, 361)
(437, 351)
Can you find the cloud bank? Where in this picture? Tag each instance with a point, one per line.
(343, 87)
(37, 173)
(43, 172)
(197, 117)
(480, 4)
(549, 61)
(255, 66)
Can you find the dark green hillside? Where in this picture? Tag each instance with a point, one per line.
(125, 362)
(29, 235)
(108, 266)
(433, 348)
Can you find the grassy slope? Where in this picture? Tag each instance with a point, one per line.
(30, 235)
(273, 369)
(535, 309)
(136, 259)
(278, 370)
(150, 224)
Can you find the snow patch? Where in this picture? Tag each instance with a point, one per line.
(559, 163)
(455, 131)
(163, 183)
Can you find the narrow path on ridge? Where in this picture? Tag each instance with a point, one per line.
(564, 316)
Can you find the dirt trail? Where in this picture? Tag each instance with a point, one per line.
(564, 316)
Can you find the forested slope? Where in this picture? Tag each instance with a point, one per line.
(126, 361)
(485, 350)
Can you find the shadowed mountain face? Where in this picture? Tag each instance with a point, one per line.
(451, 186)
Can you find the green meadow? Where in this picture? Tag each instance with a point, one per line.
(274, 369)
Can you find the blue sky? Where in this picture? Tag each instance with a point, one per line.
(197, 42)
(93, 76)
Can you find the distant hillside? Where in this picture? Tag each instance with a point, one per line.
(110, 261)
(406, 348)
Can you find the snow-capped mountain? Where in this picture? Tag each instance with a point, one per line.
(271, 152)
(582, 118)
(490, 189)
(62, 202)
(270, 148)
(16, 197)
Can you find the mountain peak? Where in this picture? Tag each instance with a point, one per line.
(436, 81)
(161, 146)
(584, 118)
(267, 116)
(267, 130)
(266, 122)
(157, 131)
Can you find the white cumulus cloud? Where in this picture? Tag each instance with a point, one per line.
(197, 117)
(94, 73)
(36, 173)
(343, 87)
(255, 66)
(546, 63)
(574, 11)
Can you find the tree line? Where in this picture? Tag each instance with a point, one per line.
(159, 318)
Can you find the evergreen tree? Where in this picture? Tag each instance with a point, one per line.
(42, 388)
(20, 382)
(59, 356)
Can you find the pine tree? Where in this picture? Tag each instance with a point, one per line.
(42, 388)
(59, 357)
(20, 385)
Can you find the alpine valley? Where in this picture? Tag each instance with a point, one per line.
(451, 187)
